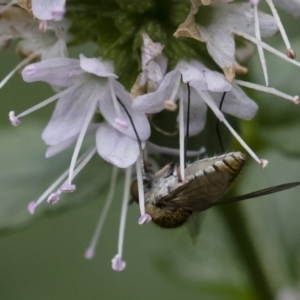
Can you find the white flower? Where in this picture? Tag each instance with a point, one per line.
(89, 85)
(199, 78)
(16, 23)
(218, 34)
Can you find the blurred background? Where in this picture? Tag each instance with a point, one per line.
(249, 250)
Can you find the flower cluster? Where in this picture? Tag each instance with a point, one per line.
(85, 88)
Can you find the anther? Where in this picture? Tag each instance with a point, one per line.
(143, 219)
(13, 119)
(68, 188)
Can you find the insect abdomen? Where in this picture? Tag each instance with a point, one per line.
(166, 218)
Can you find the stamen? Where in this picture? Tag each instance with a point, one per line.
(83, 130)
(210, 102)
(50, 189)
(181, 136)
(262, 162)
(31, 207)
(268, 90)
(43, 26)
(90, 251)
(33, 204)
(117, 263)
(23, 63)
(14, 118)
(170, 105)
(68, 188)
(81, 163)
(143, 219)
(53, 198)
(259, 48)
(266, 46)
(114, 98)
(290, 53)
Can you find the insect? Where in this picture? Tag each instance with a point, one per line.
(171, 202)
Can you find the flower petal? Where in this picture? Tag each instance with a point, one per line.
(198, 111)
(154, 102)
(56, 71)
(44, 10)
(55, 149)
(69, 114)
(189, 71)
(115, 147)
(97, 67)
(237, 103)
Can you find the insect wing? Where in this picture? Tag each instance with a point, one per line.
(267, 191)
(204, 186)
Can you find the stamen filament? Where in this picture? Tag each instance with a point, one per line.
(83, 130)
(80, 166)
(49, 190)
(279, 24)
(19, 66)
(262, 162)
(117, 263)
(269, 90)
(259, 48)
(266, 46)
(90, 252)
(44, 103)
(210, 102)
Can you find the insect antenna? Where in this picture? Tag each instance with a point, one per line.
(187, 132)
(138, 140)
(218, 125)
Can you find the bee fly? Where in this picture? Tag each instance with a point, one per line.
(171, 202)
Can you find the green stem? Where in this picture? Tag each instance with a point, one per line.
(235, 220)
